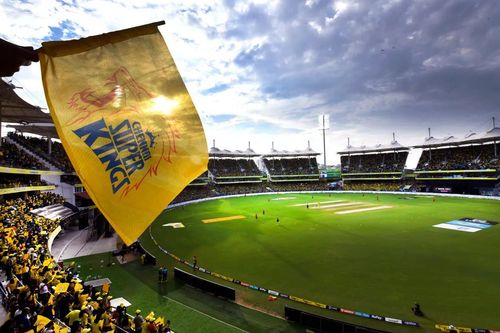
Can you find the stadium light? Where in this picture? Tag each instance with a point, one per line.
(324, 124)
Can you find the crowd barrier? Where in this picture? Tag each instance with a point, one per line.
(30, 171)
(322, 324)
(218, 290)
(36, 188)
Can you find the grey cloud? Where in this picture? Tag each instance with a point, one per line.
(254, 21)
(444, 55)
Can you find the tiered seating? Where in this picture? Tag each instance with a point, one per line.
(39, 146)
(11, 156)
(32, 274)
(60, 156)
(373, 163)
(477, 157)
(239, 188)
(194, 193)
(230, 167)
(292, 166)
(8, 180)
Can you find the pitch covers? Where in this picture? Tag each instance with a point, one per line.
(466, 224)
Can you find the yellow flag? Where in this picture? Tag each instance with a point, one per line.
(160, 321)
(61, 288)
(41, 322)
(126, 121)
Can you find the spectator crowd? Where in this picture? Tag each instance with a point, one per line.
(220, 189)
(8, 180)
(373, 186)
(292, 166)
(229, 167)
(368, 163)
(40, 146)
(43, 296)
(13, 157)
(473, 157)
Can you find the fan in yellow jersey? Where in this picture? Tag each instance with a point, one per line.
(73, 319)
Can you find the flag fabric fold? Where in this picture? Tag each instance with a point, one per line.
(126, 121)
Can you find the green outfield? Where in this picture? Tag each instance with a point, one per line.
(376, 254)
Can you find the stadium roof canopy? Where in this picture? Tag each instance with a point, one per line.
(380, 148)
(13, 109)
(471, 138)
(296, 153)
(216, 152)
(46, 131)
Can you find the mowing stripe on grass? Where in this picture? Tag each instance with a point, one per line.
(338, 205)
(222, 219)
(317, 203)
(203, 313)
(362, 210)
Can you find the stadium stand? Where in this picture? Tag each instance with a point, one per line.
(291, 166)
(470, 164)
(473, 157)
(194, 193)
(229, 189)
(376, 168)
(298, 186)
(20, 171)
(39, 146)
(11, 156)
(287, 167)
(229, 167)
(233, 167)
(374, 186)
(236, 172)
(8, 180)
(373, 163)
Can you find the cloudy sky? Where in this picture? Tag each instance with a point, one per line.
(263, 70)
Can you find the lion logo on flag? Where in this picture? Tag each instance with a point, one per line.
(121, 98)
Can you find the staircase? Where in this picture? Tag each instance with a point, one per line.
(46, 163)
(4, 315)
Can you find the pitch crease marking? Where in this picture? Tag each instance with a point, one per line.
(222, 219)
(337, 205)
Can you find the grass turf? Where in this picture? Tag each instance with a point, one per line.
(189, 310)
(379, 262)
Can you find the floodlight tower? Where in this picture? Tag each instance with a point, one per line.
(494, 141)
(324, 124)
